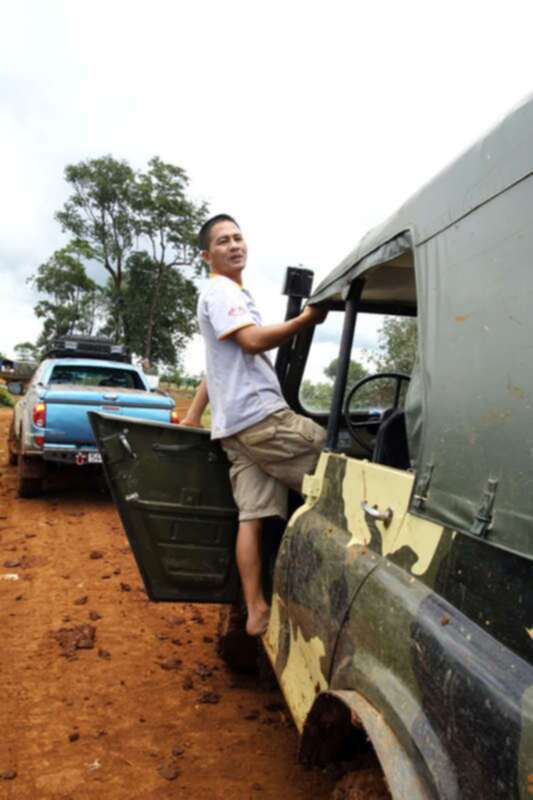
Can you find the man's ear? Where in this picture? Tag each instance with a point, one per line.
(204, 255)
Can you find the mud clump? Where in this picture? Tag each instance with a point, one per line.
(169, 771)
(81, 637)
(203, 672)
(96, 554)
(171, 663)
(211, 698)
(80, 601)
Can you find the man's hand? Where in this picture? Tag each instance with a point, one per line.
(191, 422)
(193, 417)
(314, 315)
(259, 338)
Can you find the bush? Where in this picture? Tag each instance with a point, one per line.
(5, 398)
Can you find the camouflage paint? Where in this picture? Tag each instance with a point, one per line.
(410, 618)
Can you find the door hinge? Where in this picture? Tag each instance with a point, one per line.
(483, 518)
(422, 488)
(116, 446)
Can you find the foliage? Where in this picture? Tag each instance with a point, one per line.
(26, 351)
(5, 398)
(72, 296)
(98, 214)
(169, 222)
(173, 317)
(397, 340)
(179, 380)
(141, 228)
(316, 396)
(396, 351)
(356, 371)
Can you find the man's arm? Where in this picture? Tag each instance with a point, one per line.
(194, 413)
(259, 338)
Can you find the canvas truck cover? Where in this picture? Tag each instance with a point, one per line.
(470, 403)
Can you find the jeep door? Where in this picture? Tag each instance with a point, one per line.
(172, 490)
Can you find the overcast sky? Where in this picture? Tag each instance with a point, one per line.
(308, 121)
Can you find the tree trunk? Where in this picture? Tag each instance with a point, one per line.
(154, 306)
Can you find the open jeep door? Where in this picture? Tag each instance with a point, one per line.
(171, 486)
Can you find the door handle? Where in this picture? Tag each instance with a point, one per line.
(374, 512)
(176, 448)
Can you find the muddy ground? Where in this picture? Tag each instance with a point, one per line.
(107, 696)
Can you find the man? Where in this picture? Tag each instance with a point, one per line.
(269, 447)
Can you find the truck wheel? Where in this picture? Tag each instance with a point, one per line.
(12, 446)
(364, 784)
(30, 476)
(234, 646)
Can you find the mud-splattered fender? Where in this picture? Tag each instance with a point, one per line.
(335, 714)
(445, 686)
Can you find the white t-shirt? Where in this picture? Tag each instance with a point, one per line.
(243, 388)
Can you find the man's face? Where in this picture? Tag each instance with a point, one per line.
(227, 250)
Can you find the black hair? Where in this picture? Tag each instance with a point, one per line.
(205, 230)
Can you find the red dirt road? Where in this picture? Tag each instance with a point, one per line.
(142, 708)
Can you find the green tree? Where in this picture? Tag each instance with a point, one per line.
(397, 341)
(72, 297)
(172, 320)
(114, 213)
(316, 396)
(169, 222)
(98, 216)
(26, 351)
(356, 371)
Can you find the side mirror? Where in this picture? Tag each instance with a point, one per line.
(298, 282)
(297, 287)
(15, 387)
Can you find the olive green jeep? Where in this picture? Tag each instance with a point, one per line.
(402, 589)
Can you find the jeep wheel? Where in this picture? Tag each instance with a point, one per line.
(30, 476)
(12, 446)
(365, 784)
(234, 646)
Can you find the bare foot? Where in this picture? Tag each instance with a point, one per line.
(257, 621)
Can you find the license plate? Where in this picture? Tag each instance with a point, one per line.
(94, 458)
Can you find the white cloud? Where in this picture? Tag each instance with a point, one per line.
(309, 121)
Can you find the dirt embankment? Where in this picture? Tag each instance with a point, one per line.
(106, 696)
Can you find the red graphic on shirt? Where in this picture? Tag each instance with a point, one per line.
(237, 311)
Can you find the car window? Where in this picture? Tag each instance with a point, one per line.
(109, 377)
(382, 343)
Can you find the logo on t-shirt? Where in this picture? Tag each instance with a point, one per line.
(237, 311)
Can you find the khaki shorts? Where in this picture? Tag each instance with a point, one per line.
(269, 458)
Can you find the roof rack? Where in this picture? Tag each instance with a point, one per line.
(87, 347)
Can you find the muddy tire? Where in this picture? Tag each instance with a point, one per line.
(30, 476)
(12, 445)
(364, 784)
(234, 646)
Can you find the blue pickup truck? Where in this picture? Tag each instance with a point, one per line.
(50, 423)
